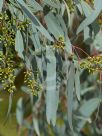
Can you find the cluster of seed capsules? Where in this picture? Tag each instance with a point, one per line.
(93, 64)
(7, 76)
(31, 83)
(59, 44)
(7, 32)
(8, 27)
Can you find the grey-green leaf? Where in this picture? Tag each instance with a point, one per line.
(91, 18)
(68, 13)
(50, 3)
(10, 104)
(19, 45)
(70, 89)
(1, 5)
(34, 19)
(36, 126)
(35, 38)
(86, 8)
(19, 111)
(89, 106)
(97, 43)
(52, 22)
(86, 33)
(34, 5)
(86, 111)
(77, 84)
(52, 95)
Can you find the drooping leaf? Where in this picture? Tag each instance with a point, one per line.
(62, 24)
(62, 8)
(19, 45)
(10, 104)
(91, 18)
(36, 126)
(9, 107)
(51, 3)
(86, 33)
(12, 8)
(52, 96)
(34, 19)
(70, 89)
(77, 84)
(40, 65)
(89, 106)
(86, 110)
(28, 62)
(79, 7)
(52, 22)
(88, 89)
(86, 8)
(97, 43)
(35, 38)
(68, 13)
(34, 5)
(1, 4)
(87, 11)
(19, 111)
(68, 45)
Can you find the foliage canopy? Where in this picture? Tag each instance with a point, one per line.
(58, 45)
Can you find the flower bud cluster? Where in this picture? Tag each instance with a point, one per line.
(7, 76)
(32, 84)
(93, 64)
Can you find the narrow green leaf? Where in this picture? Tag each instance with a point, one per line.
(91, 17)
(52, 96)
(86, 8)
(78, 5)
(52, 22)
(35, 38)
(68, 13)
(88, 89)
(86, 33)
(62, 8)
(40, 65)
(1, 4)
(9, 107)
(28, 62)
(34, 5)
(19, 45)
(62, 24)
(97, 43)
(77, 84)
(50, 3)
(68, 46)
(10, 104)
(33, 18)
(70, 89)
(89, 107)
(86, 111)
(19, 111)
(28, 12)
(36, 126)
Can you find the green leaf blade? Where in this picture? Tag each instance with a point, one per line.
(52, 95)
(70, 89)
(19, 112)
(91, 18)
(19, 45)
(33, 18)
